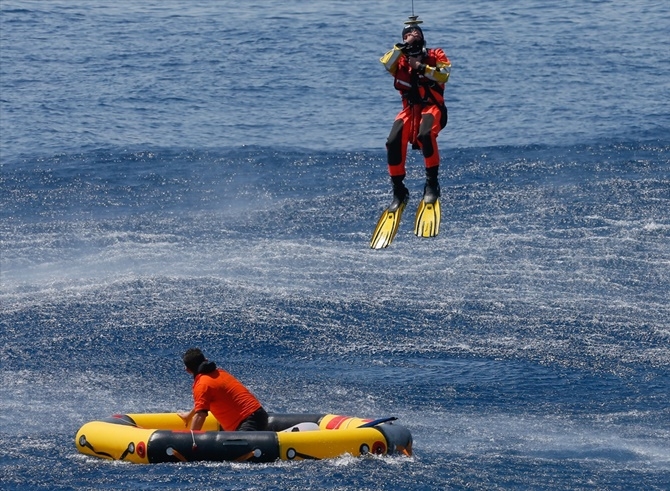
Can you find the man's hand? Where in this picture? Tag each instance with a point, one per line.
(186, 418)
(414, 62)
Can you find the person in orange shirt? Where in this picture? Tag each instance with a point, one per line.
(215, 390)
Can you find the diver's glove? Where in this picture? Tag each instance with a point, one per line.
(414, 49)
(404, 47)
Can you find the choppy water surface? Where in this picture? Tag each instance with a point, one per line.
(210, 175)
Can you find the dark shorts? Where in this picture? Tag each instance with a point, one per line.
(258, 421)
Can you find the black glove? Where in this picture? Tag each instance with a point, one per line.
(404, 47)
(415, 49)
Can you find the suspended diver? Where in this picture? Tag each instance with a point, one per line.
(419, 74)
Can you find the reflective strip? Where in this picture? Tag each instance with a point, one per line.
(390, 59)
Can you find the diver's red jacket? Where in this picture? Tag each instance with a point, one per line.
(423, 86)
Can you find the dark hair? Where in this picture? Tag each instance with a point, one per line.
(192, 358)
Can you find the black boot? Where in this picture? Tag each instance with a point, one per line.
(400, 193)
(431, 190)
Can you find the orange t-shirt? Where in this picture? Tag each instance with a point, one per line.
(229, 401)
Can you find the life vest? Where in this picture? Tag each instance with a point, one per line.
(415, 87)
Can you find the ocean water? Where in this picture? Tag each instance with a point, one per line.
(209, 173)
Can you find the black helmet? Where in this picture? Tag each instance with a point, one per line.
(417, 48)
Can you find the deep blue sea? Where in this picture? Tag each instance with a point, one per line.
(208, 173)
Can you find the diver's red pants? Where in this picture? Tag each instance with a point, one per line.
(415, 124)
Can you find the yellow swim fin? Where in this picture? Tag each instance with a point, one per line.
(387, 226)
(427, 222)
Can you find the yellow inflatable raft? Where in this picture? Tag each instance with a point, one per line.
(161, 437)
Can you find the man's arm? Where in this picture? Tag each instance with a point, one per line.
(440, 72)
(195, 418)
(391, 58)
(198, 420)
